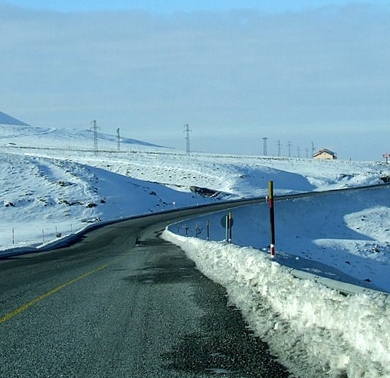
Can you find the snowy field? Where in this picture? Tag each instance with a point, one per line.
(63, 186)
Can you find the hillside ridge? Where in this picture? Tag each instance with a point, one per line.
(6, 119)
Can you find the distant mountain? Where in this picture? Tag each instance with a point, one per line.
(6, 119)
(41, 137)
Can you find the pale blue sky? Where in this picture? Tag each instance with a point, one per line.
(295, 72)
(165, 6)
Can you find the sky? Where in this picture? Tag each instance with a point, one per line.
(169, 6)
(301, 74)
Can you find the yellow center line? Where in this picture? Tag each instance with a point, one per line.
(51, 292)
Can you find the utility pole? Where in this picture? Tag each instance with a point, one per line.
(312, 149)
(95, 138)
(279, 148)
(299, 151)
(119, 139)
(265, 146)
(289, 149)
(187, 131)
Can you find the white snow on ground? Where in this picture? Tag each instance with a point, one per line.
(64, 185)
(315, 331)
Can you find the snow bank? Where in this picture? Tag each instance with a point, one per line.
(315, 331)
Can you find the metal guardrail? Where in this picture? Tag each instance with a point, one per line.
(175, 215)
(342, 287)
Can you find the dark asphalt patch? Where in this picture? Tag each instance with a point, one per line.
(225, 346)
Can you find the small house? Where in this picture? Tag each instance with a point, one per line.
(325, 154)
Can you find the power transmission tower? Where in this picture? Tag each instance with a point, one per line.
(187, 131)
(265, 152)
(95, 138)
(279, 148)
(312, 149)
(119, 139)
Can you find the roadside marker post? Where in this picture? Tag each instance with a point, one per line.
(227, 227)
(227, 223)
(272, 216)
(230, 227)
(208, 230)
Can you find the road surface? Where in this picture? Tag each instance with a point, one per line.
(122, 303)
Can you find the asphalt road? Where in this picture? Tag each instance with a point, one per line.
(106, 307)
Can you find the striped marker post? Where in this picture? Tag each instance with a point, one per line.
(271, 216)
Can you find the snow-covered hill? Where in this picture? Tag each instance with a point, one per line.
(54, 180)
(6, 119)
(54, 183)
(53, 138)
